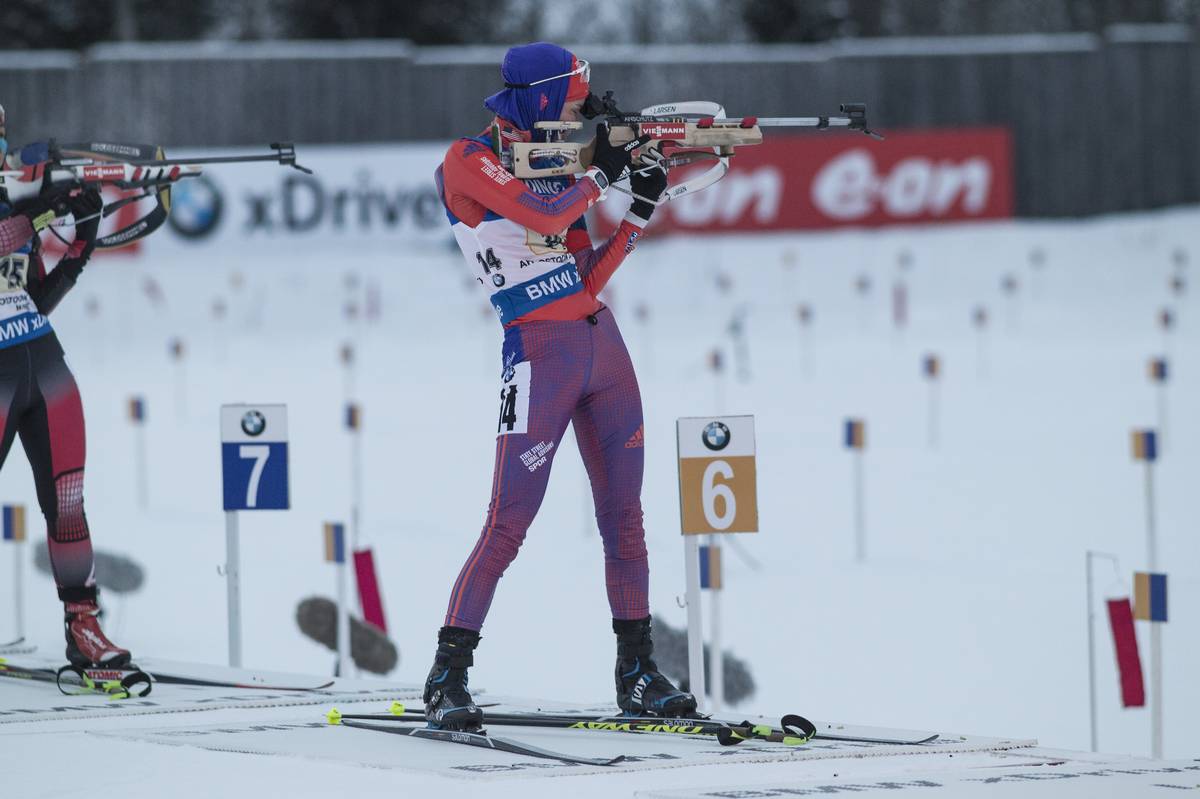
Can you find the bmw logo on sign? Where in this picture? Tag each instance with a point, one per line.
(253, 423)
(715, 436)
(196, 208)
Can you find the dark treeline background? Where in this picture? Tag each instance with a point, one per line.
(75, 24)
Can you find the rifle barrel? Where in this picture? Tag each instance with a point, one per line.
(798, 122)
(216, 159)
(285, 154)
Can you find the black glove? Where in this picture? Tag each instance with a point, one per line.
(48, 292)
(650, 184)
(612, 159)
(43, 210)
(86, 206)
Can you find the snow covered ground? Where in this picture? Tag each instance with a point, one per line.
(195, 741)
(969, 613)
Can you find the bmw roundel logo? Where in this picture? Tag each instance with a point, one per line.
(196, 207)
(498, 280)
(715, 436)
(254, 423)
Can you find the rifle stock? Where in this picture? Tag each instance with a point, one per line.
(679, 133)
(576, 158)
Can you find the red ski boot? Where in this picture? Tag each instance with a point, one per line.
(87, 645)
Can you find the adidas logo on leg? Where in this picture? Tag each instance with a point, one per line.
(638, 439)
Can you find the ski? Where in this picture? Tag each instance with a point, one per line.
(796, 730)
(17, 647)
(118, 683)
(793, 730)
(866, 739)
(22, 673)
(176, 679)
(169, 672)
(479, 739)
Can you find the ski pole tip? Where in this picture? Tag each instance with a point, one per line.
(397, 709)
(334, 716)
(727, 736)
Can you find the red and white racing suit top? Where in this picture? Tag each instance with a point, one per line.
(20, 267)
(525, 240)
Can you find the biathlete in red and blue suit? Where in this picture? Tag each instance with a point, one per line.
(564, 362)
(39, 400)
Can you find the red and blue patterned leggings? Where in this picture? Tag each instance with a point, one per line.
(558, 373)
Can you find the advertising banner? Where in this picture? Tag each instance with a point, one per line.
(384, 195)
(814, 181)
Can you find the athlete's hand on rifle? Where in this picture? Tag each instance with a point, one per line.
(86, 207)
(48, 292)
(647, 186)
(612, 159)
(41, 211)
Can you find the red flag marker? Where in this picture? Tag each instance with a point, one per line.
(1129, 662)
(369, 597)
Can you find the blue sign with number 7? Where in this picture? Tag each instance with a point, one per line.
(254, 457)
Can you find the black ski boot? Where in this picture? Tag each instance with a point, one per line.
(448, 703)
(641, 690)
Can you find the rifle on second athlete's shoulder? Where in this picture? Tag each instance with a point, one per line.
(679, 134)
(55, 170)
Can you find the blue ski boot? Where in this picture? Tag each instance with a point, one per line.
(641, 689)
(448, 703)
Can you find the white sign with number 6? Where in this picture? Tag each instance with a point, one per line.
(717, 479)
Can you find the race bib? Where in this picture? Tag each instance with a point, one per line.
(14, 272)
(514, 399)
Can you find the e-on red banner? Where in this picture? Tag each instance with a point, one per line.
(802, 182)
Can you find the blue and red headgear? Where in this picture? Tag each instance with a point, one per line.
(525, 105)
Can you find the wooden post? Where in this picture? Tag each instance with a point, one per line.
(137, 415)
(335, 553)
(979, 318)
(1145, 448)
(1157, 371)
(176, 350)
(805, 314)
(931, 367)
(13, 530)
(855, 438)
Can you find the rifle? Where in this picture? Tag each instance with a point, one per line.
(142, 168)
(679, 134)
